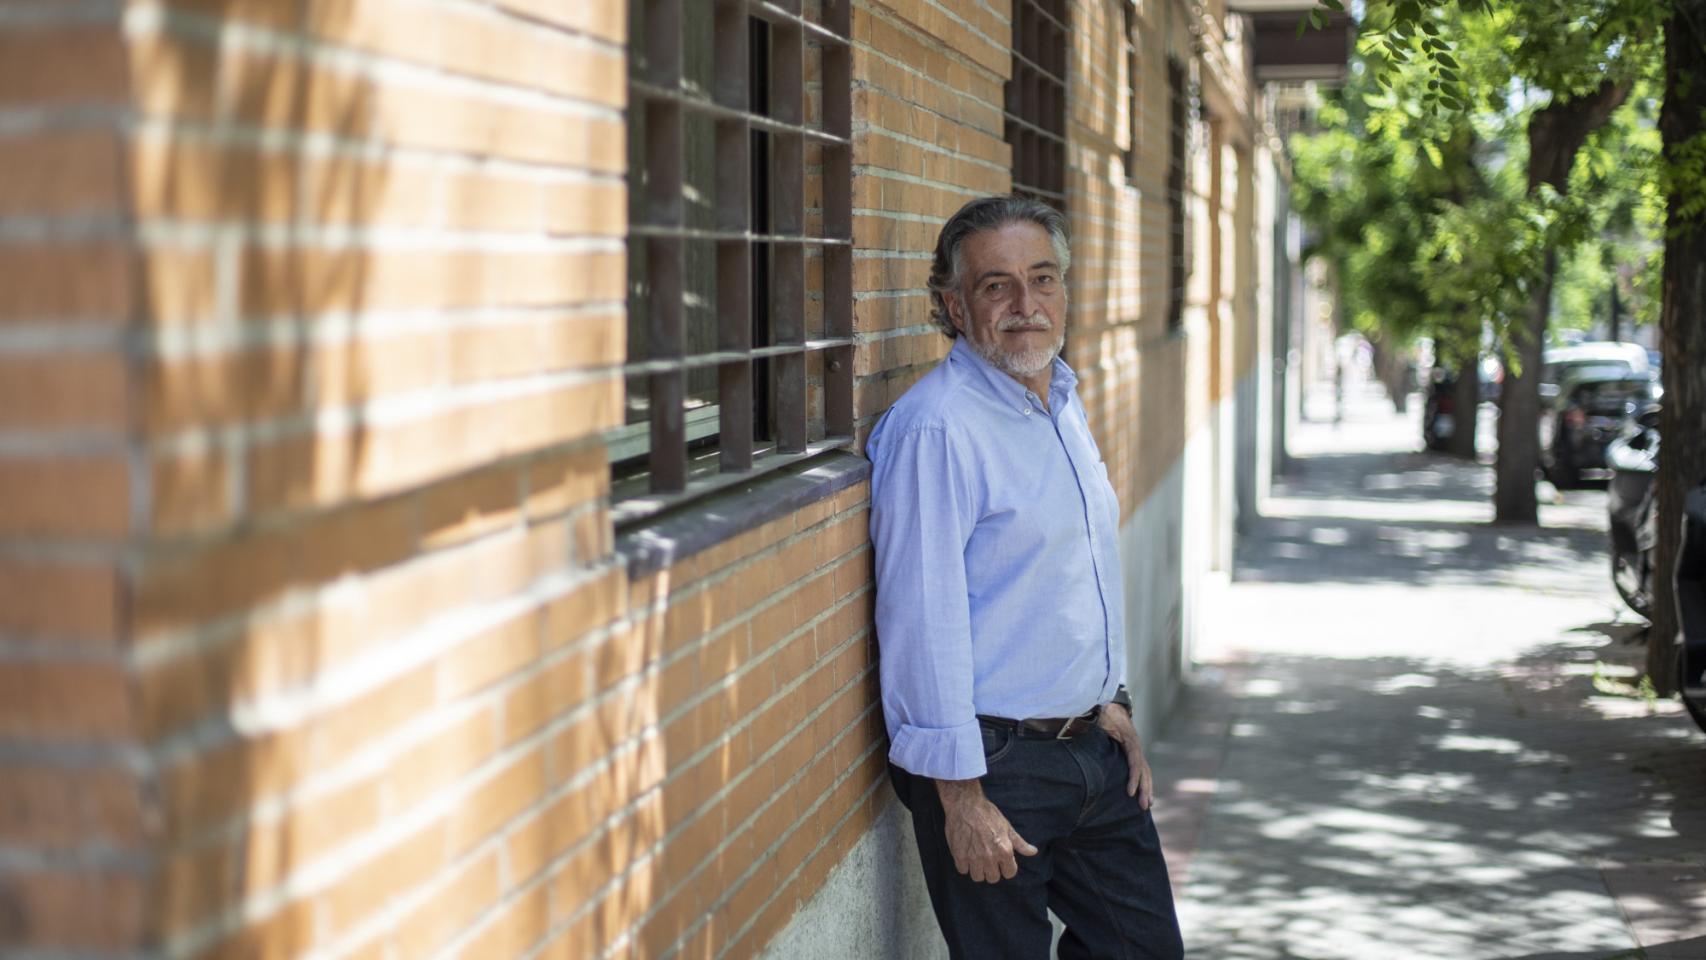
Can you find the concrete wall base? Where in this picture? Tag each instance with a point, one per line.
(872, 905)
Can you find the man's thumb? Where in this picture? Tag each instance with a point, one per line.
(1020, 845)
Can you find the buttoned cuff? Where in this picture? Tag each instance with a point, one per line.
(940, 753)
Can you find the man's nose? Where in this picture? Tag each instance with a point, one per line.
(1024, 301)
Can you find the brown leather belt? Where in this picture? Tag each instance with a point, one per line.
(1046, 728)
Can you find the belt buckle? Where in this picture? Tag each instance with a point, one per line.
(1068, 730)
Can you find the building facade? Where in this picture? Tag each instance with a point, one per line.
(432, 518)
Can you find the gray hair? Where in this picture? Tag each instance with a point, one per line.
(986, 213)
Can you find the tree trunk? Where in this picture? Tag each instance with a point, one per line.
(1465, 402)
(1555, 134)
(1514, 501)
(1682, 329)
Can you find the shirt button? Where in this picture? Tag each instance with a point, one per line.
(1027, 411)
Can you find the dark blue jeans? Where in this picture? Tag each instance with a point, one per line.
(1098, 865)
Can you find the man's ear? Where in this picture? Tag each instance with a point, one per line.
(956, 310)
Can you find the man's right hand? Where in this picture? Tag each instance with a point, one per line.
(980, 838)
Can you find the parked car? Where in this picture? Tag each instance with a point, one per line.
(1633, 458)
(1602, 357)
(1589, 410)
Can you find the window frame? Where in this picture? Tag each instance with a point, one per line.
(1179, 97)
(1035, 99)
(764, 351)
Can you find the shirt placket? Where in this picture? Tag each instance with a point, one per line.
(1077, 451)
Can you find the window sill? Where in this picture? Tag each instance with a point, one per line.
(704, 522)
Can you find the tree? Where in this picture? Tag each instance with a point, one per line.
(1560, 47)
(1416, 191)
(1682, 318)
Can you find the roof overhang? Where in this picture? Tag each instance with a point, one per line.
(1282, 55)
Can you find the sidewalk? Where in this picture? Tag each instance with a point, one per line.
(1412, 735)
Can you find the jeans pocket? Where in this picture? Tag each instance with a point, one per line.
(997, 742)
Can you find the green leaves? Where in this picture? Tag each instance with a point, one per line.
(1415, 190)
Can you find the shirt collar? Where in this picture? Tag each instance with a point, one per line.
(1062, 380)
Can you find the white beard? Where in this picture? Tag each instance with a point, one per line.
(1021, 363)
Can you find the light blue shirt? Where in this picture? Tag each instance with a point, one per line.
(998, 574)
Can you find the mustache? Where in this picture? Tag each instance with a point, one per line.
(1036, 321)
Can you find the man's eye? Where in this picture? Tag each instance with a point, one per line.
(1044, 281)
(995, 289)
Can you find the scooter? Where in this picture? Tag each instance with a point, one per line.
(1691, 606)
(1633, 459)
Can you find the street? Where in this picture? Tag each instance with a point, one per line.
(1415, 735)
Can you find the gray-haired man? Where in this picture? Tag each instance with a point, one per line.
(1000, 619)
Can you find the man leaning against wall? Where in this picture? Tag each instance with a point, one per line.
(1000, 620)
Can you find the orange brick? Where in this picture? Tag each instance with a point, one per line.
(64, 701)
(82, 283)
(180, 285)
(531, 345)
(272, 13)
(604, 21)
(498, 801)
(177, 692)
(318, 281)
(82, 498)
(209, 582)
(593, 537)
(191, 492)
(213, 786)
(554, 690)
(56, 915)
(461, 40)
(451, 753)
(492, 655)
(372, 715)
(361, 370)
(467, 894)
(469, 506)
(62, 64)
(61, 390)
(327, 468)
(286, 932)
(181, 179)
(596, 208)
(222, 389)
(366, 889)
(559, 482)
(520, 923)
(273, 849)
(60, 173)
(614, 723)
(48, 808)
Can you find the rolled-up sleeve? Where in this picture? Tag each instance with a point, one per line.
(922, 514)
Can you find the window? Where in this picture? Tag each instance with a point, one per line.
(1036, 100)
(1178, 228)
(740, 195)
(1134, 104)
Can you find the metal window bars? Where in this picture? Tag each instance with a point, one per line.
(1036, 100)
(740, 116)
(1134, 105)
(1178, 230)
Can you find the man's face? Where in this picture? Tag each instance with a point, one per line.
(1011, 305)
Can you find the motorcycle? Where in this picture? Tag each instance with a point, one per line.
(1633, 459)
(1691, 606)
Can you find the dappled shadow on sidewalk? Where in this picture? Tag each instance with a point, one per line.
(1402, 807)
(1417, 519)
(1389, 476)
(1413, 552)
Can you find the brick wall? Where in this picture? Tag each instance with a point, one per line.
(317, 637)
